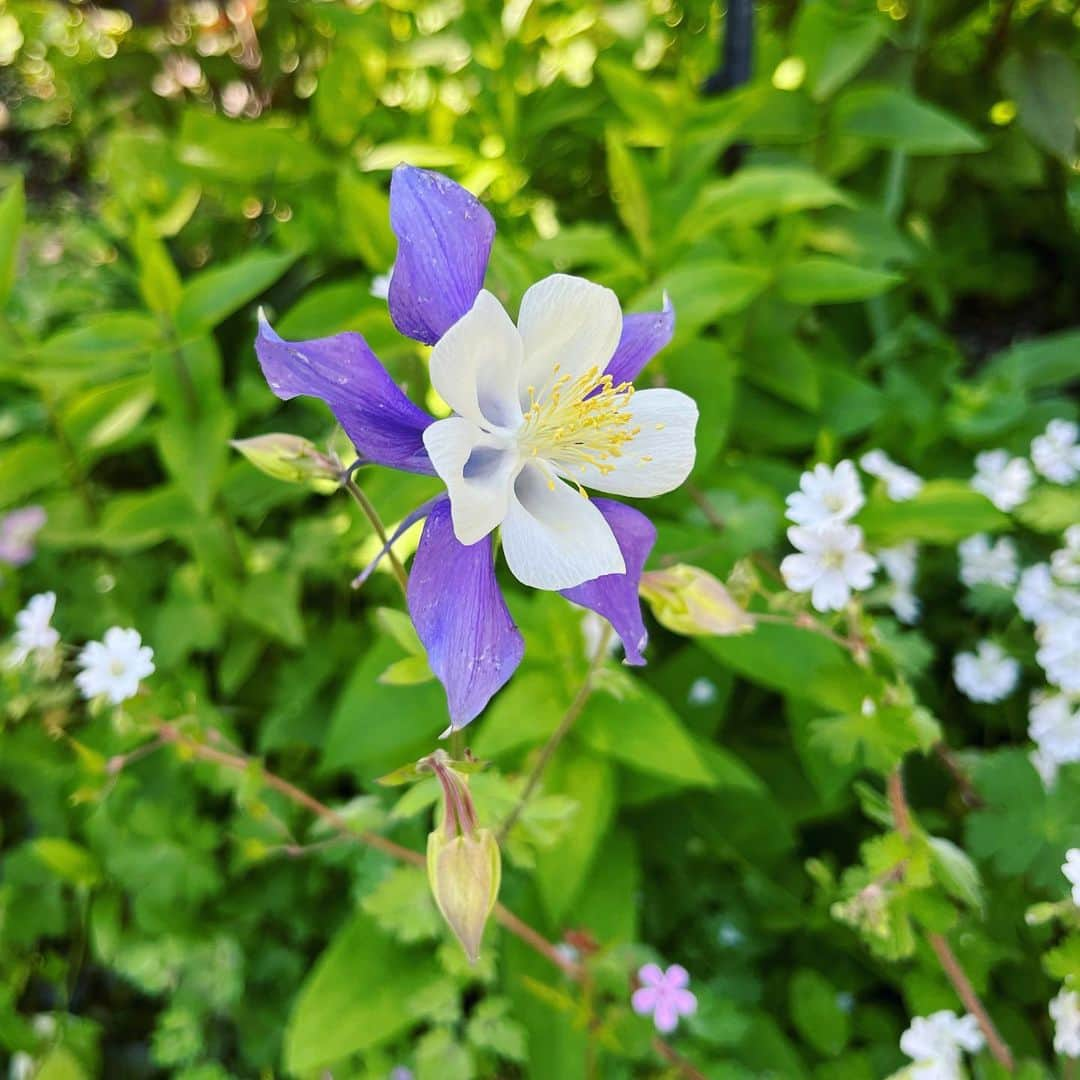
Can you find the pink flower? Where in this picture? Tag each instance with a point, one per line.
(664, 995)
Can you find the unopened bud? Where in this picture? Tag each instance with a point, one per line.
(464, 872)
(293, 459)
(691, 601)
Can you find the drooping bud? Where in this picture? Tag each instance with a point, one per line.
(691, 601)
(463, 861)
(293, 459)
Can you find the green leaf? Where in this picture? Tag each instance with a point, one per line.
(133, 522)
(944, 512)
(28, 466)
(104, 415)
(1046, 89)
(407, 671)
(440, 1057)
(492, 1028)
(68, 860)
(357, 997)
(402, 906)
(816, 1013)
(1045, 362)
(12, 220)
(270, 601)
(955, 870)
(702, 291)
(1050, 509)
(818, 279)
(877, 738)
(159, 283)
(835, 42)
(640, 101)
(212, 295)
(887, 116)
(629, 194)
(111, 337)
(365, 220)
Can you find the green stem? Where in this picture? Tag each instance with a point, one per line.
(365, 504)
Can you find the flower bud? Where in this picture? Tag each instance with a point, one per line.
(293, 459)
(691, 601)
(464, 872)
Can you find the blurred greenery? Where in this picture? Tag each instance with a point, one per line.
(872, 244)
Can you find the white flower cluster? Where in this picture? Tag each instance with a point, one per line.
(1006, 481)
(111, 669)
(936, 1044)
(1065, 1012)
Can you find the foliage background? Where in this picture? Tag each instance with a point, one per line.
(872, 244)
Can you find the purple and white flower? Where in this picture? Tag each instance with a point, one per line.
(17, 532)
(543, 409)
(113, 668)
(34, 633)
(829, 564)
(1004, 480)
(664, 996)
(989, 674)
(1055, 453)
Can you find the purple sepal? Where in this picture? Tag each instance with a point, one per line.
(407, 523)
(459, 613)
(615, 596)
(383, 424)
(644, 334)
(444, 239)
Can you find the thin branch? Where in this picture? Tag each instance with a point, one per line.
(968, 795)
(901, 811)
(366, 505)
(557, 736)
(673, 1057)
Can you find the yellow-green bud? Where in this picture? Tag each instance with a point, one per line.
(293, 459)
(691, 601)
(464, 872)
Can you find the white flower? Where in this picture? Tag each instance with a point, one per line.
(983, 563)
(112, 668)
(1045, 765)
(1040, 599)
(1055, 452)
(1065, 1012)
(900, 565)
(829, 565)
(33, 632)
(21, 1066)
(1071, 869)
(1059, 652)
(1003, 480)
(1065, 562)
(380, 284)
(702, 692)
(900, 484)
(1054, 725)
(988, 674)
(936, 1044)
(826, 495)
(534, 409)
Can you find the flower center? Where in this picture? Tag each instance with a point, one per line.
(579, 422)
(833, 560)
(116, 666)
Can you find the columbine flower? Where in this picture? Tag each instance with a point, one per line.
(1054, 724)
(983, 563)
(664, 996)
(1055, 452)
(542, 410)
(1003, 480)
(1071, 869)
(988, 674)
(936, 1044)
(17, 532)
(829, 565)
(1040, 599)
(34, 633)
(900, 564)
(1065, 562)
(113, 668)
(900, 484)
(1065, 1012)
(826, 495)
(1059, 652)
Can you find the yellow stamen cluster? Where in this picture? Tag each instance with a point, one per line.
(579, 422)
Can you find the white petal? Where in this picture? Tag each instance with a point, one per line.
(476, 364)
(567, 321)
(553, 538)
(659, 458)
(830, 591)
(800, 572)
(478, 470)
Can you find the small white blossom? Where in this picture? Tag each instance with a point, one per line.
(829, 565)
(1059, 652)
(113, 668)
(1055, 452)
(1071, 869)
(900, 564)
(826, 495)
(702, 692)
(983, 563)
(380, 284)
(34, 634)
(1065, 1012)
(901, 484)
(21, 1066)
(1005, 481)
(1040, 599)
(936, 1044)
(1065, 562)
(1054, 725)
(989, 674)
(1045, 765)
